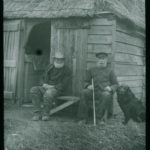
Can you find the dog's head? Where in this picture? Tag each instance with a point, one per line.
(124, 93)
(123, 89)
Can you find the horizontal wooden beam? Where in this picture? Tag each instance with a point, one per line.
(9, 63)
(101, 21)
(68, 98)
(11, 27)
(8, 95)
(101, 39)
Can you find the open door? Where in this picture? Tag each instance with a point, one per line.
(70, 37)
(11, 44)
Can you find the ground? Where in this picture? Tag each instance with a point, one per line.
(63, 133)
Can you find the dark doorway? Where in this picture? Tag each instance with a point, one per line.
(37, 56)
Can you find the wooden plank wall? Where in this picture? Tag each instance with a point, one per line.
(129, 59)
(11, 38)
(99, 39)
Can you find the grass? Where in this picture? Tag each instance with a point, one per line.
(57, 135)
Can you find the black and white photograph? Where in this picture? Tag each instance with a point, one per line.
(74, 74)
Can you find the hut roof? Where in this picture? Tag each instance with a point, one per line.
(133, 10)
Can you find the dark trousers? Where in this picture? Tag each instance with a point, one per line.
(40, 95)
(103, 102)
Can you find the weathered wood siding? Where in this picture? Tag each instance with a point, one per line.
(99, 39)
(129, 58)
(11, 52)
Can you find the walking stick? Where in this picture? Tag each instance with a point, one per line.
(94, 114)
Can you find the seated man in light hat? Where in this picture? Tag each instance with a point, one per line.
(55, 80)
(105, 83)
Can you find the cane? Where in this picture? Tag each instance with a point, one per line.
(94, 114)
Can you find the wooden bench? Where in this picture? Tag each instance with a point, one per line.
(69, 100)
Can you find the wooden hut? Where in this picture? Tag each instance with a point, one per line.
(35, 29)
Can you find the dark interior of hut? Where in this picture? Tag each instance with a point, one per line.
(37, 56)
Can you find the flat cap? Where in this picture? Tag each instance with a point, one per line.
(101, 54)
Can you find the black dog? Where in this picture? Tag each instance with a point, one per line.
(130, 105)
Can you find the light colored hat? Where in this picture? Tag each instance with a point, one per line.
(59, 55)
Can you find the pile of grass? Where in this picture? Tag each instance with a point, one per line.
(70, 136)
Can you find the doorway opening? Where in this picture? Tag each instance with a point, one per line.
(37, 56)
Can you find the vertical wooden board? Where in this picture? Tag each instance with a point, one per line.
(12, 44)
(17, 70)
(13, 76)
(73, 47)
(4, 73)
(68, 50)
(53, 41)
(6, 43)
(69, 43)
(85, 50)
(7, 79)
(9, 76)
(77, 47)
(10, 81)
(59, 40)
(79, 56)
(9, 46)
(13, 41)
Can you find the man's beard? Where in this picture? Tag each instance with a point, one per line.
(101, 65)
(58, 65)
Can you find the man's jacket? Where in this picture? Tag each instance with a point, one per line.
(59, 77)
(102, 77)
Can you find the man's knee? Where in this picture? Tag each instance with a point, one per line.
(34, 90)
(50, 93)
(86, 92)
(106, 94)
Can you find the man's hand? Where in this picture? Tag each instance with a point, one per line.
(90, 87)
(47, 86)
(108, 88)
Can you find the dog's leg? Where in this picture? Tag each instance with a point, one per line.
(126, 119)
(105, 115)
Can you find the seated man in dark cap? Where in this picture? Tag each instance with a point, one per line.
(105, 83)
(55, 80)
